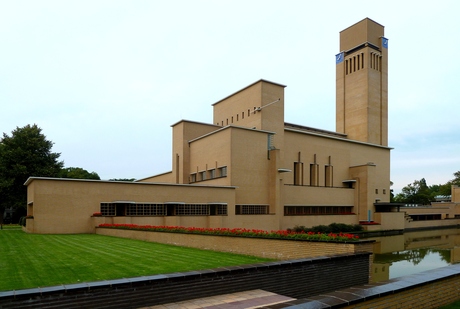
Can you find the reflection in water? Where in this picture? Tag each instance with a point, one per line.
(414, 252)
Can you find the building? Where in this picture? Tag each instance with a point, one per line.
(251, 169)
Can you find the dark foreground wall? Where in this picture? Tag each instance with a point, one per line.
(295, 278)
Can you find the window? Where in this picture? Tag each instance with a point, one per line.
(192, 177)
(298, 174)
(218, 209)
(314, 175)
(212, 173)
(223, 171)
(329, 174)
(202, 175)
(145, 209)
(108, 209)
(192, 210)
(384, 191)
(251, 209)
(376, 191)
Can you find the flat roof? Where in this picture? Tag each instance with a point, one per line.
(31, 179)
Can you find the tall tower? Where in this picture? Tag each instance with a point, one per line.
(362, 83)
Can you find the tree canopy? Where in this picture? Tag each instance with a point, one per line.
(25, 153)
(78, 173)
(420, 193)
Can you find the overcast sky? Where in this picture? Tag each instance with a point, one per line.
(106, 79)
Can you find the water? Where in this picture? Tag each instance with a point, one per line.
(414, 252)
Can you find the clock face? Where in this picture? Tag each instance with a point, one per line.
(338, 58)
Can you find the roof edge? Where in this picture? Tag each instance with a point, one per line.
(250, 85)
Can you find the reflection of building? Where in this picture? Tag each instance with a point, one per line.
(249, 168)
(413, 247)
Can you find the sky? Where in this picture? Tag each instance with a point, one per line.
(105, 80)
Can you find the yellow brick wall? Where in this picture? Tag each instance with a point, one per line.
(432, 295)
(267, 248)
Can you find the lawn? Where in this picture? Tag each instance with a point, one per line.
(34, 260)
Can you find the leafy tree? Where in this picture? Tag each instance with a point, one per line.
(415, 193)
(456, 180)
(25, 153)
(78, 173)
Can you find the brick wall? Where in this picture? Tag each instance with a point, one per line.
(267, 248)
(295, 278)
(429, 289)
(432, 295)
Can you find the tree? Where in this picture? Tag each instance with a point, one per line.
(77, 173)
(456, 180)
(416, 193)
(25, 153)
(123, 179)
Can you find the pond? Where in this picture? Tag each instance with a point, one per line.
(414, 252)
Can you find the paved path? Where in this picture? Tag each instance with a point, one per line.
(240, 300)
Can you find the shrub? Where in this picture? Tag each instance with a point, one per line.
(22, 221)
(326, 229)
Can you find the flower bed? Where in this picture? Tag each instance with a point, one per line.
(281, 234)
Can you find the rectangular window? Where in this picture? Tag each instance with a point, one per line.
(218, 209)
(192, 210)
(314, 175)
(376, 191)
(193, 178)
(108, 209)
(223, 171)
(298, 174)
(202, 175)
(328, 174)
(212, 173)
(251, 209)
(384, 191)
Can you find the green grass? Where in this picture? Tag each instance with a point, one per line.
(34, 260)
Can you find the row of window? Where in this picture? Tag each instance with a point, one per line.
(169, 209)
(177, 209)
(155, 209)
(356, 63)
(237, 117)
(375, 62)
(317, 210)
(314, 174)
(209, 174)
(251, 209)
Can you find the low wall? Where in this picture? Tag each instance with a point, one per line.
(429, 289)
(267, 248)
(298, 278)
(445, 223)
